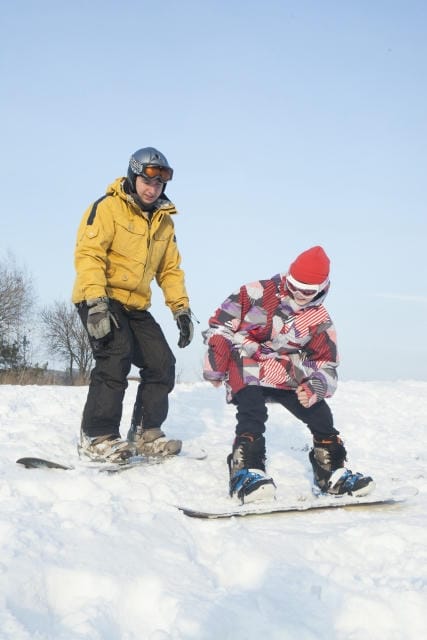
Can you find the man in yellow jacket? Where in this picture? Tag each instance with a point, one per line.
(125, 240)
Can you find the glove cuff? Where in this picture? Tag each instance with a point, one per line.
(92, 302)
(181, 312)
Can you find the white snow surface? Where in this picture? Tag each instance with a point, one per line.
(86, 555)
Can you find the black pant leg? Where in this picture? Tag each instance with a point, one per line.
(156, 362)
(318, 418)
(251, 410)
(108, 381)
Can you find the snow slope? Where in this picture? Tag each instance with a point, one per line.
(88, 556)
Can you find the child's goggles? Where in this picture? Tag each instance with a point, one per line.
(302, 288)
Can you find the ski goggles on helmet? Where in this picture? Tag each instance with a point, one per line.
(151, 171)
(306, 290)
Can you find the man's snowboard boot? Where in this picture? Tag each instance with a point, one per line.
(327, 458)
(108, 448)
(149, 442)
(246, 464)
(153, 442)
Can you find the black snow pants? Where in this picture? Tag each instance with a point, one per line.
(138, 341)
(252, 411)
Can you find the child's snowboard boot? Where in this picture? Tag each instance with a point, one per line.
(327, 458)
(246, 463)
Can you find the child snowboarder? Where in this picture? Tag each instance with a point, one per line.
(274, 341)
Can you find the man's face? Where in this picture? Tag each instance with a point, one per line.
(148, 189)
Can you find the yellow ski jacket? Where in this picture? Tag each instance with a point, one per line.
(120, 250)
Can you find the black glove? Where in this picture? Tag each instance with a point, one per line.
(99, 320)
(185, 326)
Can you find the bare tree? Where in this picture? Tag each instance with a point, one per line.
(16, 300)
(66, 337)
(16, 295)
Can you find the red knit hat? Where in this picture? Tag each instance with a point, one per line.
(311, 266)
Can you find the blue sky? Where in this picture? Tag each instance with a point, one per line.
(288, 124)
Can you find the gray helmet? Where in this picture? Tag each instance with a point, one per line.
(148, 156)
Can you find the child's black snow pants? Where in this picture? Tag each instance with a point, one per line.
(252, 411)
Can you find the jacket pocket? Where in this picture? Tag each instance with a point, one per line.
(127, 258)
(130, 243)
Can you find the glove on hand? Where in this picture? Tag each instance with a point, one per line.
(99, 319)
(185, 326)
(306, 395)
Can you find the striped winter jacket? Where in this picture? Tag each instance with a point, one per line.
(260, 336)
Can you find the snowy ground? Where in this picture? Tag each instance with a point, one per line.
(89, 556)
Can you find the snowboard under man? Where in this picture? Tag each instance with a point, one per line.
(273, 341)
(126, 239)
